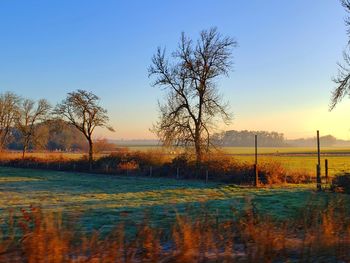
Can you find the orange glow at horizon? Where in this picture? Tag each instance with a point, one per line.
(293, 124)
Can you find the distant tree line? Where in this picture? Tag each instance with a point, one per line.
(27, 124)
(245, 138)
(51, 135)
(325, 141)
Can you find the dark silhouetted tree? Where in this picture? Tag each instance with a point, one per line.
(343, 78)
(193, 105)
(81, 109)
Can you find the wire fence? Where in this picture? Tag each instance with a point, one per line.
(292, 159)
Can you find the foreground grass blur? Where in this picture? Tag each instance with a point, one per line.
(316, 235)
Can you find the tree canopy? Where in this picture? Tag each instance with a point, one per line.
(82, 110)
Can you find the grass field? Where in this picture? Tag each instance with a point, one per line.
(261, 150)
(99, 201)
(336, 164)
(100, 218)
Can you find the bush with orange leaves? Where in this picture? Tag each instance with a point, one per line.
(275, 173)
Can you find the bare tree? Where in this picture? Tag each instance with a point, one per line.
(342, 80)
(42, 136)
(81, 109)
(9, 110)
(31, 114)
(193, 104)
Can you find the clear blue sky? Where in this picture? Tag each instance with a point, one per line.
(281, 80)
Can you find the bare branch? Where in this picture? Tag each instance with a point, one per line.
(342, 80)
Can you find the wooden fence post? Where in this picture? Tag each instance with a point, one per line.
(318, 167)
(326, 170)
(256, 172)
(318, 179)
(256, 175)
(256, 149)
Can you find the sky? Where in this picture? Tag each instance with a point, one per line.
(283, 65)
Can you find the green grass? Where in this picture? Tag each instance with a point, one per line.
(336, 164)
(100, 201)
(250, 150)
(296, 158)
(285, 150)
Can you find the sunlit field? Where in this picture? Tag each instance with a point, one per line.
(261, 150)
(302, 159)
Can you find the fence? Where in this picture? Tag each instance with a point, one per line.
(294, 160)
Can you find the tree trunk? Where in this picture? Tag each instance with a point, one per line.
(24, 151)
(91, 152)
(198, 149)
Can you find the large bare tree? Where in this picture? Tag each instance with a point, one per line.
(342, 80)
(81, 109)
(31, 114)
(193, 104)
(9, 111)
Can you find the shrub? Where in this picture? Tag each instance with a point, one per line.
(272, 173)
(128, 166)
(298, 177)
(275, 173)
(341, 183)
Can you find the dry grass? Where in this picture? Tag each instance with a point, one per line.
(317, 236)
(41, 156)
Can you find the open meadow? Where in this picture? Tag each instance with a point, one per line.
(79, 217)
(101, 201)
